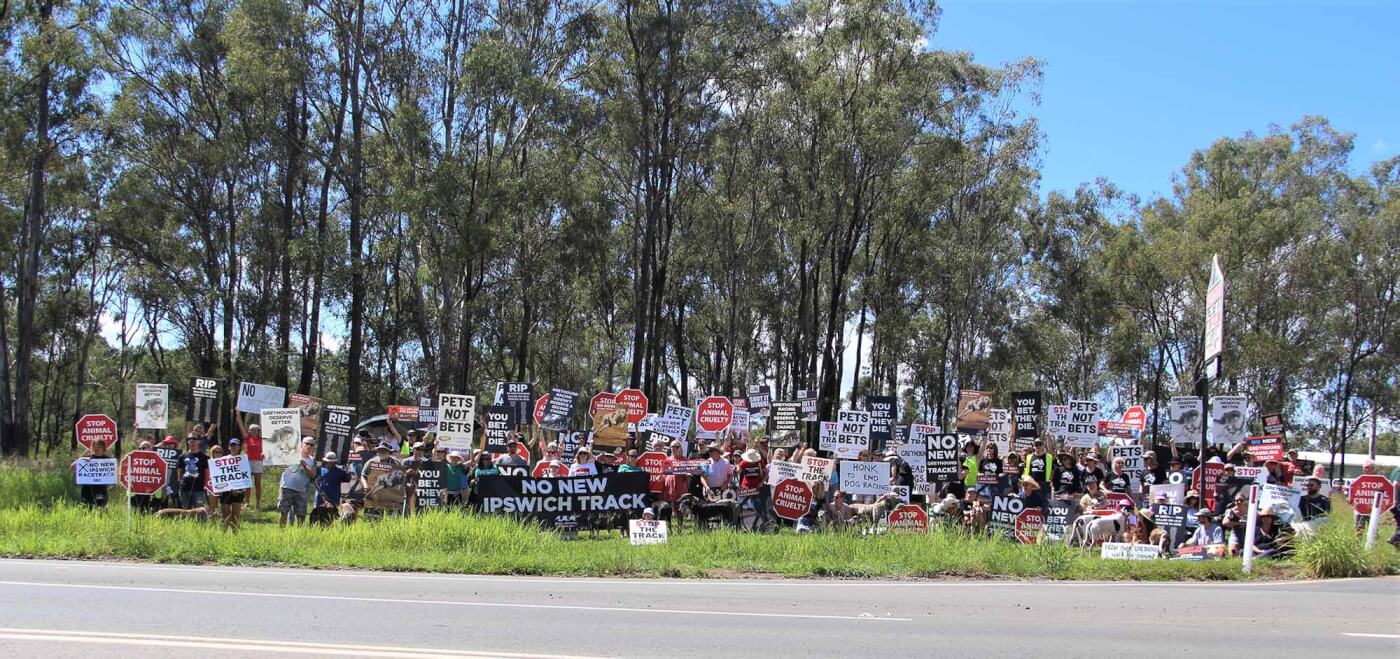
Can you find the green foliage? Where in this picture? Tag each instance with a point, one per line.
(1338, 550)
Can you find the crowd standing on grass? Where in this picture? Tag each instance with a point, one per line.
(1177, 500)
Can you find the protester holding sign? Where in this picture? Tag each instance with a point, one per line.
(989, 470)
(194, 473)
(231, 501)
(1068, 479)
(92, 494)
(296, 485)
(1312, 504)
(329, 479)
(253, 443)
(482, 468)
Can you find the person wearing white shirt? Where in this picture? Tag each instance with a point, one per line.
(718, 472)
(583, 464)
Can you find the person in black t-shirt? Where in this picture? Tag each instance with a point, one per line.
(989, 471)
(1118, 480)
(1313, 504)
(1091, 467)
(193, 470)
(1069, 481)
(1040, 465)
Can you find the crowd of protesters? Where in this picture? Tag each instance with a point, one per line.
(729, 469)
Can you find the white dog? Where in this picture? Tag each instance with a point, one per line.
(1089, 530)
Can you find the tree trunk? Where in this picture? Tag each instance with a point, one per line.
(357, 276)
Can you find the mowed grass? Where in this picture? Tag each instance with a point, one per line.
(454, 542)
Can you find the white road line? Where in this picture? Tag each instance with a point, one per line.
(258, 645)
(1362, 635)
(647, 581)
(503, 605)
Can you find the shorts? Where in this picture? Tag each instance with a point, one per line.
(292, 502)
(256, 465)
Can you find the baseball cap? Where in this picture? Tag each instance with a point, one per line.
(330, 456)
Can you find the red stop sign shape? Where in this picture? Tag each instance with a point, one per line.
(540, 404)
(602, 403)
(142, 472)
(1364, 489)
(1028, 525)
(714, 414)
(636, 403)
(543, 469)
(910, 518)
(654, 463)
(792, 499)
(94, 428)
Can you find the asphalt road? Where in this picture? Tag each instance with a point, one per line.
(90, 610)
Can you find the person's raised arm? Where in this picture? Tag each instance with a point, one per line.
(1234, 452)
(242, 430)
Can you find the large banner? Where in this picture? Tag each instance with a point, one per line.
(551, 501)
(152, 406)
(337, 429)
(456, 421)
(973, 410)
(1025, 414)
(1186, 414)
(1227, 419)
(882, 415)
(281, 442)
(205, 395)
(560, 410)
(252, 398)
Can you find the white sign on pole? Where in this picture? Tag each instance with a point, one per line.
(1228, 419)
(152, 405)
(865, 477)
(1133, 464)
(230, 472)
(1215, 310)
(1082, 427)
(1187, 419)
(456, 421)
(252, 398)
(281, 430)
(95, 471)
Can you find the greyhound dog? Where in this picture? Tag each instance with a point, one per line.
(1089, 530)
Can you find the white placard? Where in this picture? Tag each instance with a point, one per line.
(865, 477)
(816, 470)
(648, 532)
(281, 430)
(916, 454)
(95, 471)
(781, 471)
(1228, 419)
(1082, 426)
(1187, 418)
(999, 429)
(1128, 551)
(152, 406)
(456, 421)
(230, 472)
(852, 434)
(1057, 421)
(253, 398)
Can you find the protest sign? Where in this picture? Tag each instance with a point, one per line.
(1263, 448)
(687, 467)
(1186, 418)
(647, 532)
(1255, 475)
(675, 423)
(404, 414)
(94, 428)
(901, 492)
(551, 500)
(882, 415)
(852, 433)
(1205, 479)
(170, 453)
(999, 429)
(908, 518)
(792, 498)
(826, 436)
(385, 484)
(522, 470)
(142, 472)
(430, 486)
(740, 423)
(901, 435)
(714, 414)
(427, 412)
(1135, 417)
(760, 397)
(941, 461)
(205, 395)
(230, 472)
(1133, 463)
(816, 470)
(519, 397)
(1174, 492)
(337, 428)
(601, 403)
(1283, 499)
(786, 416)
(916, 456)
(152, 405)
(1025, 413)
(95, 471)
(1057, 422)
(456, 421)
(1029, 523)
(1082, 426)
(808, 399)
(779, 471)
(281, 439)
(541, 404)
(973, 407)
(871, 478)
(1059, 518)
(1364, 489)
(310, 409)
(559, 413)
(252, 398)
(654, 463)
(1005, 510)
(1170, 517)
(1227, 419)
(1128, 551)
(1273, 423)
(497, 425)
(1118, 431)
(636, 403)
(610, 425)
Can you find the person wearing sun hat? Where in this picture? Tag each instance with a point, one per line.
(752, 470)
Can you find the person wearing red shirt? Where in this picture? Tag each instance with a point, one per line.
(752, 471)
(674, 486)
(253, 446)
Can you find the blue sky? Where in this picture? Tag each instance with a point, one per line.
(1132, 87)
